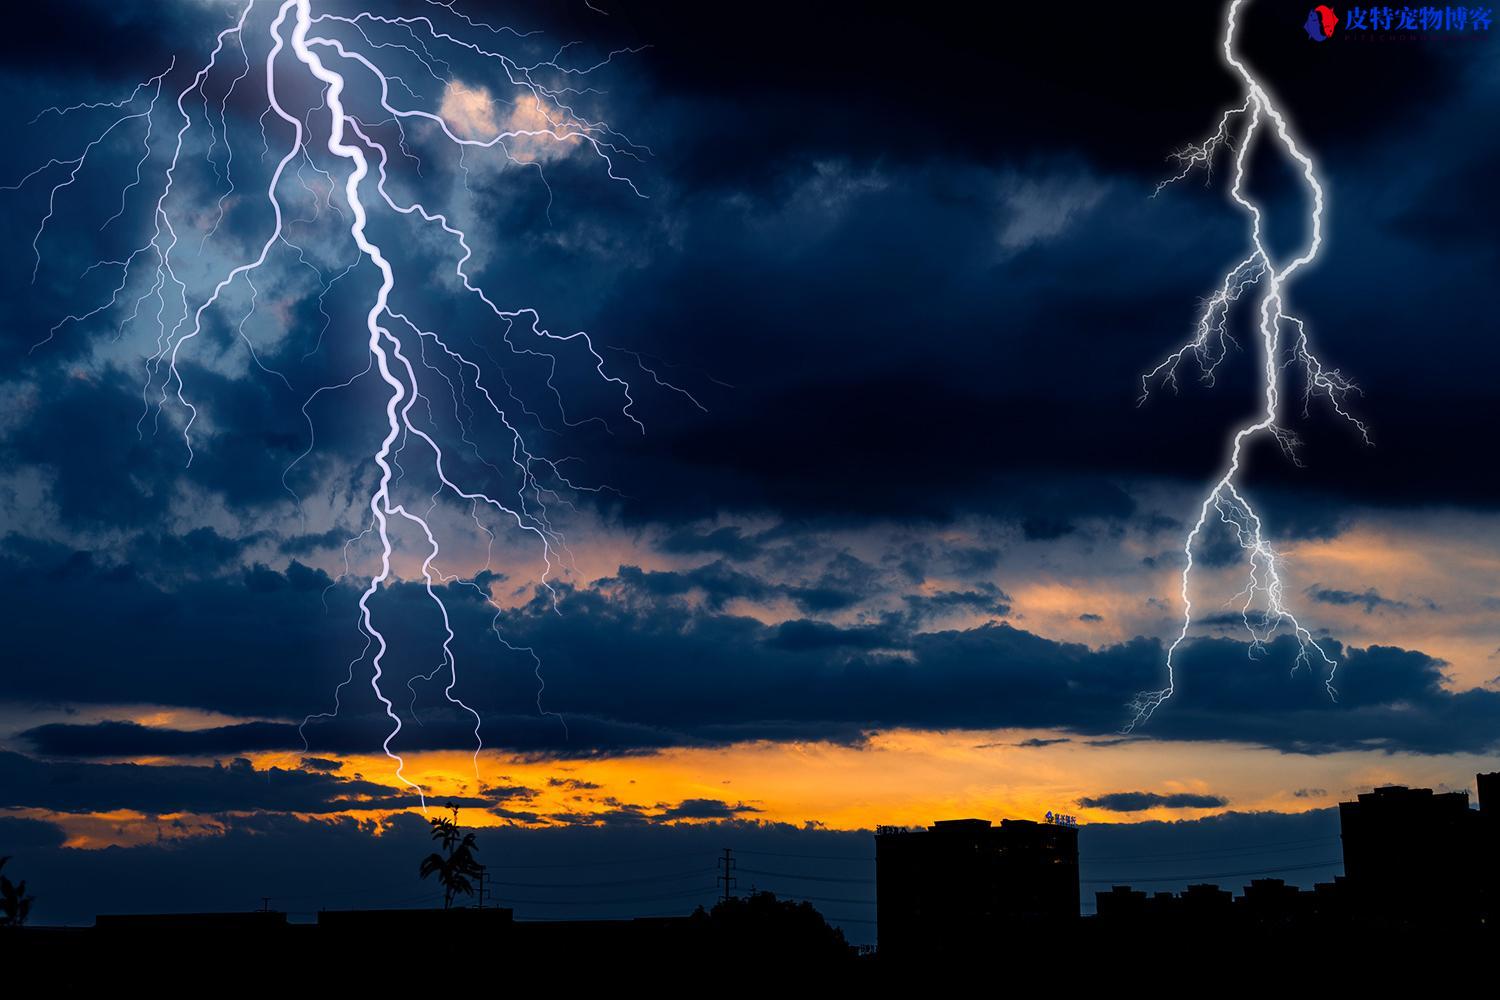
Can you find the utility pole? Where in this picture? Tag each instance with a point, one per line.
(726, 863)
(481, 888)
(265, 904)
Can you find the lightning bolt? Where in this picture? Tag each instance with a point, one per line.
(341, 159)
(1283, 345)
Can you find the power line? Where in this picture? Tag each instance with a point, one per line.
(695, 873)
(1215, 852)
(806, 878)
(1098, 880)
(848, 920)
(508, 900)
(813, 857)
(1277, 847)
(678, 856)
(1184, 878)
(726, 877)
(667, 877)
(634, 916)
(825, 899)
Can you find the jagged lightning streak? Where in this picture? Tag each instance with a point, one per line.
(396, 346)
(1263, 610)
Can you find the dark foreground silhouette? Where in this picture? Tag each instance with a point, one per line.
(749, 935)
(957, 899)
(758, 943)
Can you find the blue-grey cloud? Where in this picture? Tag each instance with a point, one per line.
(1141, 801)
(1370, 599)
(706, 809)
(638, 669)
(76, 787)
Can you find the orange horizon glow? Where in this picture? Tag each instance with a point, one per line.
(901, 777)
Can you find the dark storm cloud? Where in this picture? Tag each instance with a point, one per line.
(1440, 222)
(118, 40)
(355, 732)
(884, 376)
(774, 88)
(791, 175)
(114, 738)
(728, 542)
(974, 560)
(103, 631)
(997, 675)
(18, 833)
(840, 588)
(1141, 801)
(506, 792)
(802, 634)
(109, 476)
(1222, 621)
(1037, 741)
(1370, 599)
(920, 245)
(201, 551)
(706, 809)
(619, 814)
(73, 787)
(647, 671)
(717, 582)
(986, 598)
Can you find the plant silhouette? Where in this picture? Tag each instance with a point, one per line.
(455, 866)
(15, 905)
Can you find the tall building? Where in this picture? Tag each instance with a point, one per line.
(1489, 792)
(1489, 846)
(1413, 856)
(961, 884)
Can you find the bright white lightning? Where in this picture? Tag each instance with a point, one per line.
(1283, 344)
(397, 346)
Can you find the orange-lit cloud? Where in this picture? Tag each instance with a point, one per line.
(535, 130)
(900, 777)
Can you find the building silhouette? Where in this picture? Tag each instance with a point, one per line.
(957, 884)
(1412, 856)
(1414, 859)
(1489, 847)
(1270, 902)
(1121, 903)
(1420, 880)
(382, 947)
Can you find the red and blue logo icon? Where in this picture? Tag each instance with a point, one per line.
(1321, 21)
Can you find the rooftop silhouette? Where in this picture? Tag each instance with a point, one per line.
(1420, 866)
(948, 887)
(1414, 859)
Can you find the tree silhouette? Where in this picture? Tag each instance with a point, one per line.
(761, 924)
(455, 866)
(15, 905)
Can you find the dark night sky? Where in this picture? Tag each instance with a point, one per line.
(908, 261)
